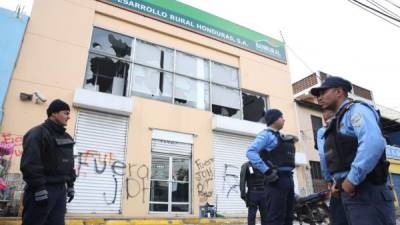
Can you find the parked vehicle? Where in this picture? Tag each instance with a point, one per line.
(312, 209)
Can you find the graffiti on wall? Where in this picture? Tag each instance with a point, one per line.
(5, 150)
(230, 179)
(12, 139)
(10, 145)
(99, 159)
(10, 184)
(136, 175)
(137, 186)
(204, 177)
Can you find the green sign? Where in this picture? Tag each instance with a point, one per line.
(188, 17)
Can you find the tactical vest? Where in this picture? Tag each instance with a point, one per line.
(65, 155)
(255, 179)
(340, 150)
(283, 154)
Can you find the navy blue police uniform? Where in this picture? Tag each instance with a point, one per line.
(274, 155)
(354, 149)
(254, 197)
(336, 209)
(47, 166)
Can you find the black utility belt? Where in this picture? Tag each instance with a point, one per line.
(369, 180)
(282, 172)
(256, 189)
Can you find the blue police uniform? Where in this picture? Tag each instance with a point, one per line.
(279, 194)
(336, 209)
(320, 144)
(354, 149)
(361, 121)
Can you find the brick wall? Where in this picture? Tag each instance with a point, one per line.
(362, 92)
(304, 83)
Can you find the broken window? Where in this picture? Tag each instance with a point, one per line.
(106, 74)
(152, 83)
(192, 66)
(254, 107)
(111, 43)
(224, 75)
(225, 101)
(225, 92)
(108, 64)
(160, 73)
(154, 55)
(191, 92)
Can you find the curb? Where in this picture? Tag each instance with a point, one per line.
(187, 221)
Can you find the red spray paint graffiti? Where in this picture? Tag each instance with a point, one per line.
(12, 139)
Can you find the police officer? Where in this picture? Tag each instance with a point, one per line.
(354, 150)
(47, 167)
(255, 196)
(337, 213)
(273, 154)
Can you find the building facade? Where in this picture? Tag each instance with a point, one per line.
(166, 99)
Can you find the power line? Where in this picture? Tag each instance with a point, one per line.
(394, 4)
(386, 10)
(375, 10)
(374, 13)
(295, 54)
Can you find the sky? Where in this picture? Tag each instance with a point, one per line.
(12, 4)
(333, 36)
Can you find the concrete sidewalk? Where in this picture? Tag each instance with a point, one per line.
(100, 221)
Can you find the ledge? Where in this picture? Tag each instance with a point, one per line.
(103, 102)
(236, 126)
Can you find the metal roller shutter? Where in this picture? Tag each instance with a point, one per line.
(229, 155)
(171, 147)
(100, 142)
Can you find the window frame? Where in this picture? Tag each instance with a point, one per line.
(132, 63)
(130, 59)
(101, 54)
(143, 95)
(189, 76)
(226, 86)
(149, 66)
(170, 181)
(317, 178)
(196, 80)
(315, 131)
(266, 97)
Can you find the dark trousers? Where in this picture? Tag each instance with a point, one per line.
(338, 216)
(256, 201)
(52, 214)
(371, 205)
(280, 200)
